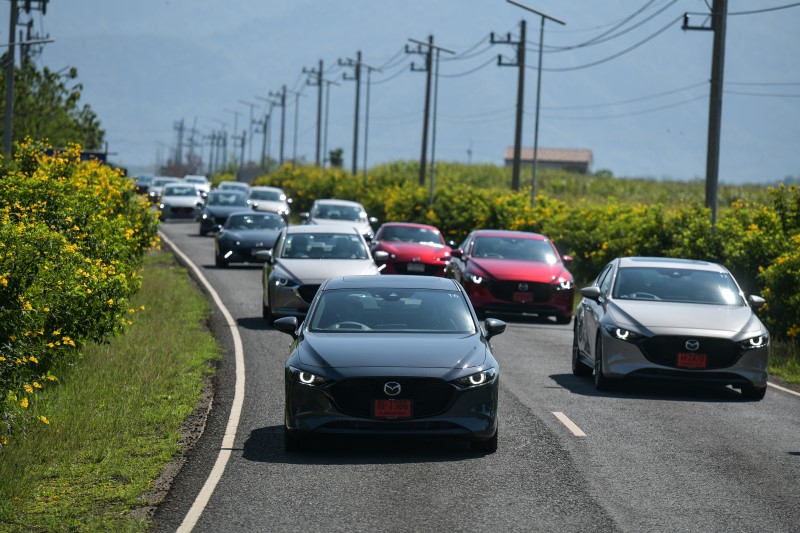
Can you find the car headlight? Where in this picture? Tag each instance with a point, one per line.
(564, 284)
(307, 378)
(759, 341)
(162, 206)
(623, 334)
(284, 281)
(477, 379)
(477, 280)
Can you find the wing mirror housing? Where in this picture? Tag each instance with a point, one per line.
(380, 256)
(593, 292)
(494, 327)
(288, 325)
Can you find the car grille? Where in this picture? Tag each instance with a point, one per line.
(182, 211)
(428, 396)
(307, 292)
(504, 290)
(663, 350)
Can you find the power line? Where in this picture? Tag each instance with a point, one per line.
(632, 113)
(764, 94)
(631, 100)
(468, 72)
(756, 11)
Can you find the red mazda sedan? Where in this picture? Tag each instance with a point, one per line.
(514, 273)
(416, 249)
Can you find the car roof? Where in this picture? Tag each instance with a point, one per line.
(667, 262)
(264, 188)
(391, 281)
(509, 233)
(334, 201)
(321, 228)
(408, 225)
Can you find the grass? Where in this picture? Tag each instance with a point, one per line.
(785, 361)
(115, 417)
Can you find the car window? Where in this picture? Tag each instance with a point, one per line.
(411, 235)
(227, 198)
(254, 222)
(604, 280)
(392, 310)
(339, 212)
(677, 285)
(515, 248)
(272, 196)
(324, 246)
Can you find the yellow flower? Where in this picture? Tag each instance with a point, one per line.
(36, 385)
(3, 440)
(43, 419)
(110, 302)
(24, 403)
(32, 359)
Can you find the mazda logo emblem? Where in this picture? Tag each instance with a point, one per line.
(692, 345)
(523, 286)
(391, 388)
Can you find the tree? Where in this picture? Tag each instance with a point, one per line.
(336, 157)
(47, 108)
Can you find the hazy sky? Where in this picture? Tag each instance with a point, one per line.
(620, 78)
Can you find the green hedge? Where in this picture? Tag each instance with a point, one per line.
(591, 219)
(73, 235)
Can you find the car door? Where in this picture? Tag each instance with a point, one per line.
(458, 259)
(591, 311)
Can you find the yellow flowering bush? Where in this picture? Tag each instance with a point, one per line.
(72, 237)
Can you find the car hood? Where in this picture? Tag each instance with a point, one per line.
(381, 350)
(251, 237)
(513, 270)
(224, 210)
(271, 205)
(409, 250)
(673, 317)
(181, 201)
(314, 271)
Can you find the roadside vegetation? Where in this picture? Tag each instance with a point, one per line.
(115, 417)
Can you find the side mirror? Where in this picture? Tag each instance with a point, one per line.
(217, 229)
(303, 216)
(289, 200)
(263, 255)
(457, 252)
(494, 327)
(756, 301)
(593, 292)
(373, 220)
(567, 258)
(380, 256)
(288, 325)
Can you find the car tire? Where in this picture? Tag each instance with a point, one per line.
(220, 262)
(485, 445)
(291, 443)
(578, 367)
(601, 382)
(754, 393)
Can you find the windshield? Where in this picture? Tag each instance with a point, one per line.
(339, 212)
(229, 198)
(273, 196)
(324, 246)
(411, 234)
(180, 190)
(519, 249)
(676, 285)
(392, 310)
(254, 222)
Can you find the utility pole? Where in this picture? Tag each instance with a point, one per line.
(538, 92)
(297, 95)
(282, 104)
(719, 15)
(328, 84)
(315, 79)
(520, 64)
(249, 127)
(366, 118)
(179, 127)
(426, 114)
(8, 122)
(430, 74)
(356, 64)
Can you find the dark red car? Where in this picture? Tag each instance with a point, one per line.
(514, 273)
(413, 249)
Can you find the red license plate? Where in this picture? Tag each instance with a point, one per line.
(692, 360)
(523, 297)
(392, 408)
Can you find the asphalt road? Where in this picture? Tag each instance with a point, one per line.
(649, 458)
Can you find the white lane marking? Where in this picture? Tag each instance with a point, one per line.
(578, 432)
(238, 400)
(783, 388)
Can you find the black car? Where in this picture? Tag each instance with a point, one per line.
(244, 234)
(391, 356)
(218, 205)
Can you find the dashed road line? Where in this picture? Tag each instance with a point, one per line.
(572, 426)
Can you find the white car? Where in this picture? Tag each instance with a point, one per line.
(203, 185)
(270, 199)
(180, 200)
(341, 213)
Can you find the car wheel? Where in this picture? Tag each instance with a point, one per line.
(754, 393)
(291, 443)
(578, 368)
(220, 262)
(485, 445)
(601, 382)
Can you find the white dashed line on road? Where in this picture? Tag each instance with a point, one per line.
(578, 432)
